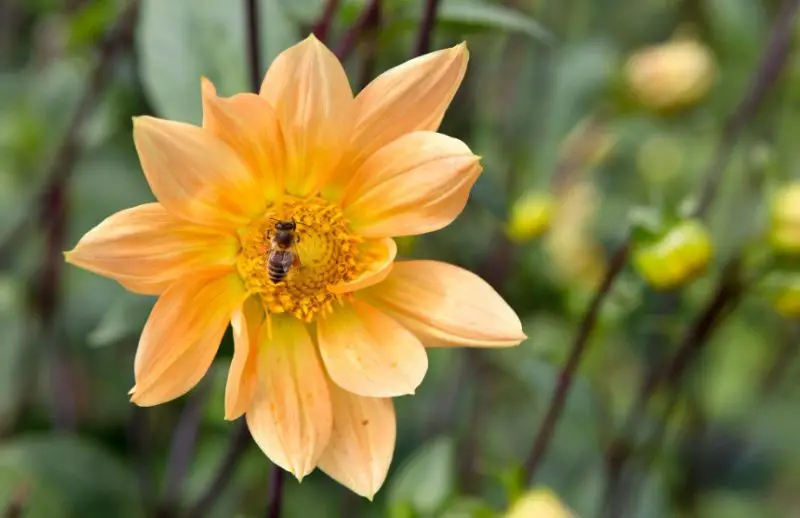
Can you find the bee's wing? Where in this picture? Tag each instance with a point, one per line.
(286, 259)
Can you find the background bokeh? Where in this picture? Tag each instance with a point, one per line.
(583, 110)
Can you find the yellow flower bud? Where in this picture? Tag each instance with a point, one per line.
(530, 216)
(782, 288)
(785, 220)
(787, 301)
(539, 503)
(672, 75)
(676, 258)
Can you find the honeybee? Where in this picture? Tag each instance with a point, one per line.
(283, 250)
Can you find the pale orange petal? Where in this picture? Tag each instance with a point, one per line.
(445, 305)
(419, 183)
(362, 443)
(410, 97)
(182, 335)
(379, 255)
(146, 248)
(194, 174)
(246, 322)
(143, 287)
(369, 354)
(290, 416)
(249, 125)
(309, 90)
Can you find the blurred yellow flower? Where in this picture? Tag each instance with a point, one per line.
(539, 503)
(676, 258)
(321, 344)
(787, 300)
(675, 74)
(785, 219)
(530, 216)
(781, 286)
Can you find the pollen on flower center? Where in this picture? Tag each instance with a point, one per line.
(328, 253)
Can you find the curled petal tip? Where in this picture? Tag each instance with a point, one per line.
(299, 475)
(139, 121)
(207, 86)
(132, 391)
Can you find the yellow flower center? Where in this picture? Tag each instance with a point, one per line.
(328, 255)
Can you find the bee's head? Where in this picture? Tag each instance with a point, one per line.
(285, 225)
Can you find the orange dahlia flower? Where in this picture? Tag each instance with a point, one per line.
(318, 354)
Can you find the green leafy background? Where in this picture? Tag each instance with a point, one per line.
(539, 71)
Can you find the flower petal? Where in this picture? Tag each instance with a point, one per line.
(410, 97)
(145, 248)
(362, 442)
(182, 335)
(419, 183)
(309, 90)
(444, 305)
(369, 354)
(249, 125)
(246, 322)
(290, 417)
(195, 175)
(379, 255)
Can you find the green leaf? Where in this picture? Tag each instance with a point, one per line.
(647, 224)
(67, 476)
(124, 318)
(427, 478)
(491, 16)
(732, 505)
(738, 25)
(309, 11)
(181, 40)
(278, 30)
(468, 507)
(12, 351)
(579, 79)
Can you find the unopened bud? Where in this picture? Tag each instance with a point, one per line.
(672, 75)
(531, 216)
(787, 301)
(539, 503)
(676, 258)
(782, 288)
(784, 230)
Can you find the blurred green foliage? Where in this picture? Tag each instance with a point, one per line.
(539, 70)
